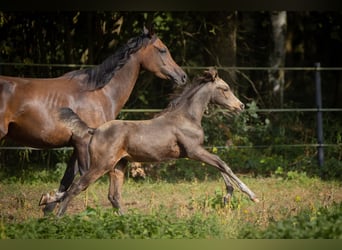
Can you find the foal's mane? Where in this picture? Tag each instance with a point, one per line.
(197, 83)
(100, 75)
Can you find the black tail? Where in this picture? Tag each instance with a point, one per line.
(74, 122)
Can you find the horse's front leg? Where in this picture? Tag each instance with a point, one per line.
(203, 155)
(116, 180)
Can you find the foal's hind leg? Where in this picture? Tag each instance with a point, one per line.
(79, 162)
(68, 178)
(83, 183)
(116, 179)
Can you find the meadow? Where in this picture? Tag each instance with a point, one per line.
(292, 206)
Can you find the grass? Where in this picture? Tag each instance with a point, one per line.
(160, 209)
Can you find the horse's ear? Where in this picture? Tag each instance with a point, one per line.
(210, 74)
(149, 31)
(145, 30)
(152, 32)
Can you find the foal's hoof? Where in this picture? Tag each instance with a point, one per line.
(44, 199)
(256, 200)
(226, 200)
(119, 211)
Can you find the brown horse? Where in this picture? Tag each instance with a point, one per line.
(96, 95)
(175, 133)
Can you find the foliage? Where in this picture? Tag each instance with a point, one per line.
(99, 224)
(323, 223)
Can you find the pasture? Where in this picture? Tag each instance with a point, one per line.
(177, 209)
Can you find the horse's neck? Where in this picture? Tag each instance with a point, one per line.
(196, 105)
(122, 83)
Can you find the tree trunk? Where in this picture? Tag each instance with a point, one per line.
(90, 21)
(224, 46)
(276, 76)
(232, 47)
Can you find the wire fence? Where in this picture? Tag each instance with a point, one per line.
(270, 110)
(313, 145)
(59, 65)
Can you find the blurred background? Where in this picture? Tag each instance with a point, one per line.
(269, 58)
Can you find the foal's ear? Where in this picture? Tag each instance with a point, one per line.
(210, 74)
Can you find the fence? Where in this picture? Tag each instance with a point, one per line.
(320, 145)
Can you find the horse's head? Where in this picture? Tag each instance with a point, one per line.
(222, 95)
(155, 57)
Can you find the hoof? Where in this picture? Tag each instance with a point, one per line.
(256, 200)
(226, 199)
(44, 199)
(48, 198)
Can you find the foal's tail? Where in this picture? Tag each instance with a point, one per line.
(78, 127)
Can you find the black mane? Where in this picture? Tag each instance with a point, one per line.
(100, 75)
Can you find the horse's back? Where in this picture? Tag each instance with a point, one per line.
(21, 81)
(27, 106)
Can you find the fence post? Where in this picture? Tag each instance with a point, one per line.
(319, 115)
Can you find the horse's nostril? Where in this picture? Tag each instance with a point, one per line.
(184, 77)
(242, 106)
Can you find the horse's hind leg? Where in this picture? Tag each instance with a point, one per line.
(3, 125)
(116, 180)
(6, 91)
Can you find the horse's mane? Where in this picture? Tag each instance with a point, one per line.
(197, 83)
(100, 75)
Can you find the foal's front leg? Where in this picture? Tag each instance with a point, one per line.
(229, 188)
(203, 155)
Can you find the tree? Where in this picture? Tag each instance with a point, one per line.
(276, 75)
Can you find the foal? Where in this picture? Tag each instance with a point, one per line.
(175, 133)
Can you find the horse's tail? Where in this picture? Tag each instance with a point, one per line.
(78, 127)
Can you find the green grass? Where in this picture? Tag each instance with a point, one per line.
(184, 209)
(103, 224)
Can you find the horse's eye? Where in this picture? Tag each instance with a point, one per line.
(162, 50)
(224, 89)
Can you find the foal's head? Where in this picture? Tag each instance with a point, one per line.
(156, 58)
(222, 95)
